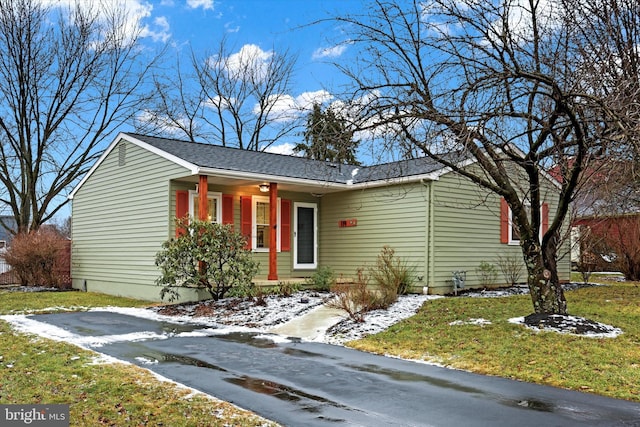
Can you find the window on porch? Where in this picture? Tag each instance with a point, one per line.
(214, 206)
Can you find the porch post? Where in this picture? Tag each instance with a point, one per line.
(273, 232)
(202, 198)
(203, 188)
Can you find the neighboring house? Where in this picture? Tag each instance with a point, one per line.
(6, 236)
(606, 207)
(6, 231)
(298, 214)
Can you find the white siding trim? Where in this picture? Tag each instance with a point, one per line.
(125, 137)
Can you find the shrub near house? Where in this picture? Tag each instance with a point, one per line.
(40, 258)
(204, 255)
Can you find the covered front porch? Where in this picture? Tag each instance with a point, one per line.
(278, 219)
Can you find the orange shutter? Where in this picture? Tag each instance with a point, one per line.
(245, 219)
(504, 221)
(545, 218)
(285, 225)
(227, 209)
(182, 209)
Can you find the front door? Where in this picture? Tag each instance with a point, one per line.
(305, 232)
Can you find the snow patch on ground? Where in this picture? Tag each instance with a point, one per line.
(273, 310)
(572, 325)
(147, 361)
(375, 321)
(258, 317)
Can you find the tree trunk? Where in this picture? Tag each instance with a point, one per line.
(542, 277)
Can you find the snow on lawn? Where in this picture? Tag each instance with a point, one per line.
(246, 315)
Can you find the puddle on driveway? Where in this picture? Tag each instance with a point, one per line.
(536, 405)
(528, 403)
(100, 323)
(182, 359)
(409, 376)
(311, 403)
(250, 338)
(304, 401)
(304, 353)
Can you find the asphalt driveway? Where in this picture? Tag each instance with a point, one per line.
(311, 384)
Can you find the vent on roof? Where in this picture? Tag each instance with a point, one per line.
(122, 154)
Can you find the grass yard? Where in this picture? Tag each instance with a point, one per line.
(605, 366)
(35, 370)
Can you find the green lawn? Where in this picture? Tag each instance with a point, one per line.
(604, 366)
(34, 370)
(37, 370)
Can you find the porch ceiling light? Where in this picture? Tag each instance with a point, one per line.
(264, 188)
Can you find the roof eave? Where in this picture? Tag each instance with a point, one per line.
(125, 136)
(269, 178)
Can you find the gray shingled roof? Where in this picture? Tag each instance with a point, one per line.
(234, 159)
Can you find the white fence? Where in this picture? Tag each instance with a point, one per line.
(4, 267)
(6, 276)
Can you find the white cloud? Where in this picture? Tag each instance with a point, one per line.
(285, 108)
(229, 28)
(205, 4)
(249, 57)
(250, 61)
(133, 10)
(286, 148)
(306, 99)
(219, 103)
(160, 32)
(163, 122)
(329, 52)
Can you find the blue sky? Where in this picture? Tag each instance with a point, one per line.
(268, 25)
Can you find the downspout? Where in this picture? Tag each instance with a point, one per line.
(432, 255)
(273, 231)
(429, 244)
(203, 190)
(427, 236)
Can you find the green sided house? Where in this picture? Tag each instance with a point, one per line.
(298, 215)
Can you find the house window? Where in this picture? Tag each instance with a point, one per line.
(514, 233)
(261, 223)
(214, 206)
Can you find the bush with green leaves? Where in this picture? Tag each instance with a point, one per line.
(286, 289)
(323, 279)
(205, 255)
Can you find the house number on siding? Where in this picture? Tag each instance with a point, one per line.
(347, 222)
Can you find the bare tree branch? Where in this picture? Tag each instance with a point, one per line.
(230, 99)
(503, 83)
(63, 89)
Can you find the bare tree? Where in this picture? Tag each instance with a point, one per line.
(497, 82)
(68, 77)
(608, 44)
(232, 99)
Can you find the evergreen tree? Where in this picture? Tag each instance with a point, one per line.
(328, 138)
